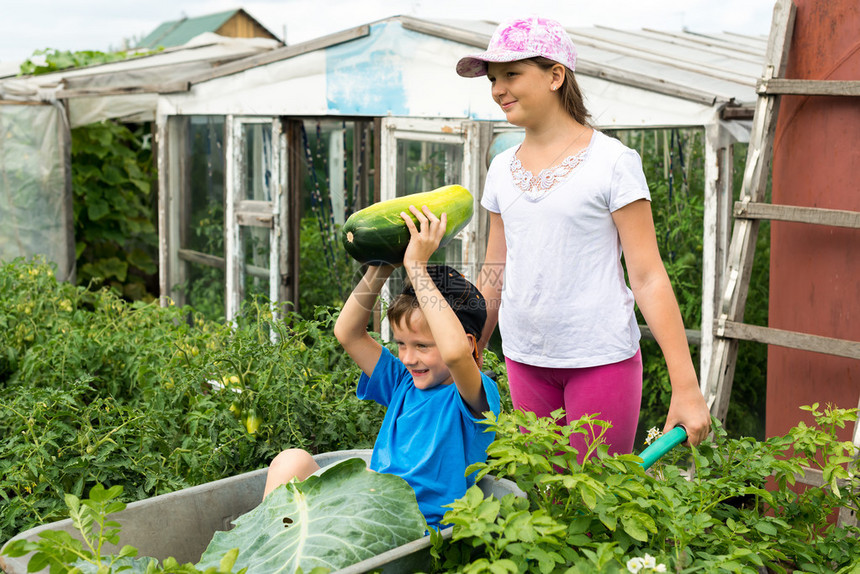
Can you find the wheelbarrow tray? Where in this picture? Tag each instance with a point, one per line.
(181, 524)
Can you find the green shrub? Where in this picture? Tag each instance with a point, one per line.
(51, 60)
(113, 188)
(328, 273)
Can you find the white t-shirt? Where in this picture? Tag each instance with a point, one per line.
(565, 302)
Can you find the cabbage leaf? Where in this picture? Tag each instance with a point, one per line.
(345, 515)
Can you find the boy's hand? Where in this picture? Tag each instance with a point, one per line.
(424, 240)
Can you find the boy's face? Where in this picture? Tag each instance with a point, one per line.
(417, 350)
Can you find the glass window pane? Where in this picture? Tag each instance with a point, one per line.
(258, 161)
(206, 184)
(205, 290)
(330, 195)
(202, 210)
(425, 166)
(256, 249)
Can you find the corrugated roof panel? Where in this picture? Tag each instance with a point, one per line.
(663, 71)
(687, 61)
(645, 45)
(756, 42)
(686, 47)
(387, 73)
(706, 43)
(698, 66)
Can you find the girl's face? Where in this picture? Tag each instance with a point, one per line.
(417, 349)
(522, 90)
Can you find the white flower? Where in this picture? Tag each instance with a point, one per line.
(645, 564)
(653, 434)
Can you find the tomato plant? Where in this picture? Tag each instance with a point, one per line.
(97, 389)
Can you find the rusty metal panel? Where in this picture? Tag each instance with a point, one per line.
(815, 270)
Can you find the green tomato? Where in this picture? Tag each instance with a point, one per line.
(252, 422)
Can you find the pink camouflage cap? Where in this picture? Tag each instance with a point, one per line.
(520, 39)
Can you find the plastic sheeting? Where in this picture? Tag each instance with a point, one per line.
(127, 90)
(35, 201)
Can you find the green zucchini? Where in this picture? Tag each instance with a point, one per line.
(377, 234)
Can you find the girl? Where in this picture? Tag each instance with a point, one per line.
(563, 204)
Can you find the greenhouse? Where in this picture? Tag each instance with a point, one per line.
(256, 140)
(394, 119)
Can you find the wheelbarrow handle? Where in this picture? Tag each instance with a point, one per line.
(662, 445)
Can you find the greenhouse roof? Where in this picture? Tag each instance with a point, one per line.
(404, 66)
(630, 78)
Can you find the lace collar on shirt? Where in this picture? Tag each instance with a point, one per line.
(537, 187)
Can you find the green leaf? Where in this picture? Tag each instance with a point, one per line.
(99, 493)
(589, 497)
(503, 567)
(111, 267)
(766, 528)
(126, 565)
(39, 561)
(18, 548)
(113, 176)
(333, 520)
(610, 521)
(143, 185)
(96, 209)
(142, 260)
(638, 525)
(229, 559)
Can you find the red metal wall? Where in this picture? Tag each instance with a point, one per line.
(815, 270)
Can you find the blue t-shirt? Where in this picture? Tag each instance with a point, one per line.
(428, 437)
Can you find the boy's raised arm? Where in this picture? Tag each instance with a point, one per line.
(448, 332)
(351, 326)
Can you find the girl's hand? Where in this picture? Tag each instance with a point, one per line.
(425, 238)
(689, 409)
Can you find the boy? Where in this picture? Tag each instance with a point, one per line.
(434, 391)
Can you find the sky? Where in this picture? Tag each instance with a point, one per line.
(105, 25)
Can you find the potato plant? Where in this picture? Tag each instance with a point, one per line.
(728, 506)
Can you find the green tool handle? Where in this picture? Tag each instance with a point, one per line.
(662, 445)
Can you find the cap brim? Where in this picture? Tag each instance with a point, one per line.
(476, 64)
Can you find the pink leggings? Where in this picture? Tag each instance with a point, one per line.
(611, 392)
